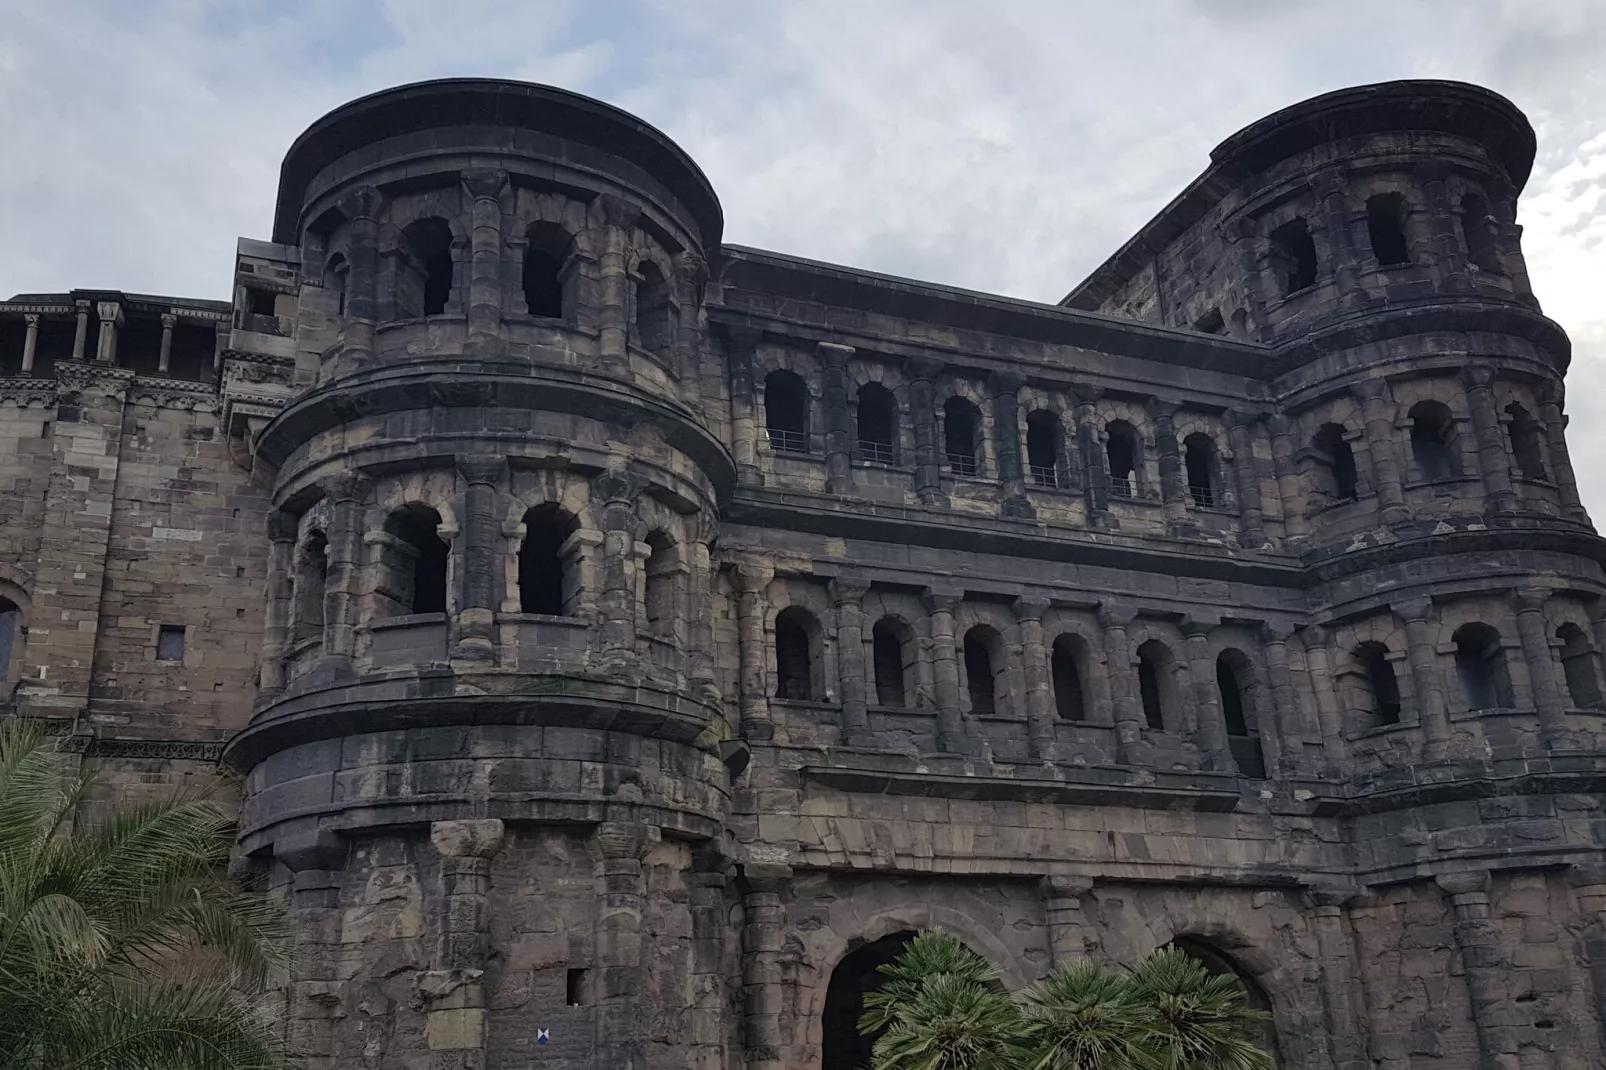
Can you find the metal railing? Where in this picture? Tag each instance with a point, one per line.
(788, 441)
(962, 464)
(877, 452)
(1123, 487)
(1203, 497)
(1045, 475)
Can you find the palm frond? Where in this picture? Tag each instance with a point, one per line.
(955, 1023)
(194, 1027)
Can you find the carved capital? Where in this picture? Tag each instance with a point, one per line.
(32, 320)
(927, 368)
(483, 468)
(1413, 609)
(691, 269)
(617, 211)
(484, 183)
(1066, 886)
(941, 599)
(1113, 614)
(768, 878)
(1549, 392)
(1006, 382)
(740, 338)
(1330, 181)
(1199, 625)
(621, 841)
(1163, 410)
(1243, 419)
(347, 487)
(1279, 424)
(480, 838)
(1475, 376)
(1429, 171)
(849, 590)
(752, 575)
(1371, 390)
(364, 202)
(617, 485)
(282, 526)
(1085, 393)
(1276, 631)
(110, 312)
(1028, 607)
(169, 321)
(833, 355)
(1330, 896)
(1469, 883)
(1531, 599)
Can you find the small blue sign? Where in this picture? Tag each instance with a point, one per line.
(543, 1036)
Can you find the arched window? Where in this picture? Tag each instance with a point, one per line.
(1121, 457)
(1293, 256)
(796, 660)
(1221, 964)
(1337, 463)
(1479, 231)
(1156, 683)
(1578, 667)
(1480, 662)
(981, 667)
(1372, 659)
(335, 276)
(1385, 222)
(842, 1047)
(786, 412)
(425, 284)
(664, 569)
(415, 576)
(1044, 443)
(1526, 442)
(878, 424)
(10, 627)
(547, 582)
(546, 258)
(1199, 456)
(1211, 323)
(961, 431)
(655, 312)
(1065, 666)
(312, 578)
(1234, 682)
(888, 641)
(1433, 440)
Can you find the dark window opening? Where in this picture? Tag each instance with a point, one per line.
(545, 259)
(1044, 440)
(1234, 677)
(1121, 457)
(663, 569)
(312, 578)
(10, 618)
(655, 311)
(546, 580)
(574, 988)
(1479, 232)
(1262, 1034)
(1578, 668)
(794, 656)
(1526, 436)
(1211, 323)
(1065, 667)
(1199, 457)
(335, 276)
(878, 424)
(170, 642)
(842, 1046)
(887, 653)
(1337, 459)
(1154, 664)
(1385, 222)
(259, 302)
(418, 575)
(786, 412)
(960, 428)
(1432, 435)
(1381, 682)
(979, 673)
(425, 285)
(1480, 662)
(1293, 256)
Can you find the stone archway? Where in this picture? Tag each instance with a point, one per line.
(1219, 962)
(841, 1046)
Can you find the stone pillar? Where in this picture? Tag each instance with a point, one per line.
(80, 336)
(1477, 937)
(165, 357)
(314, 861)
(362, 279)
(751, 578)
(691, 279)
(1173, 485)
(707, 1002)
(1339, 980)
(1331, 187)
(485, 251)
(1251, 517)
(923, 408)
(1062, 903)
(1382, 443)
(1212, 728)
(349, 492)
(1330, 720)
(700, 609)
(1095, 475)
(1493, 460)
(1535, 639)
(1425, 677)
(616, 601)
(282, 531)
(1041, 714)
(838, 418)
(30, 342)
(613, 273)
(620, 982)
(848, 593)
(111, 318)
(482, 544)
(1301, 742)
(1290, 487)
(940, 605)
(1006, 436)
(740, 343)
(1115, 617)
(1445, 243)
(763, 939)
(1549, 396)
(1589, 887)
(453, 994)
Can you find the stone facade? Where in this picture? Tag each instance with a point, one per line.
(624, 636)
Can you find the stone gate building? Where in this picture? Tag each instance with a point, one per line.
(627, 639)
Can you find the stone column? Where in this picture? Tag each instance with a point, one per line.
(453, 994)
(1535, 639)
(1477, 937)
(1589, 887)
(620, 1017)
(1493, 460)
(1212, 728)
(838, 419)
(1430, 176)
(751, 578)
(1290, 487)
(1382, 443)
(707, 1001)
(165, 358)
(1339, 980)
(111, 318)
(482, 544)
(1318, 663)
(848, 593)
(1095, 475)
(1300, 741)
(1251, 517)
(282, 530)
(1425, 678)
(1040, 708)
(613, 298)
(1006, 435)
(616, 601)
(80, 336)
(940, 605)
(740, 343)
(30, 342)
(1115, 617)
(362, 279)
(1173, 486)
(485, 251)
(700, 609)
(763, 939)
(349, 492)
(1549, 396)
(1331, 187)
(923, 408)
(1062, 903)
(314, 861)
(691, 279)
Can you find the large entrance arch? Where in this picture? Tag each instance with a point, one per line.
(841, 1046)
(1219, 962)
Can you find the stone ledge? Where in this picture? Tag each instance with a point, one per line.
(1170, 791)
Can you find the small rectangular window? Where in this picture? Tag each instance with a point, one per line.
(259, 302)
(170, 643)
(575, 988)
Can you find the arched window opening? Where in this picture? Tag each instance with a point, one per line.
(961, 430)
(425, 285)
(416, 559)
(1155, 683)
(1480, 233)
(1432, 438)
(1383, 686)
(312, 579)
(1526, 442)
(795, 658)
(547, 582)
(1293, 256)
(1065, 666)
(10, 629)
(546, 259)
(878, 424)
(335, 276)
(1044, 442)
(858, 974)
(1211, 323)
(887, 643)
(1121, 456)
(786, 412)
(1255, 997)
(1234, 677)
(1578, 668)
(1337, 460)
(980, 668)
(655, 312)
(663, 568)
(1480, 662)
(1385, 222)
(1199, 456)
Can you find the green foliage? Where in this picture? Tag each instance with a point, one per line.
(941, 1008)
(123, 945)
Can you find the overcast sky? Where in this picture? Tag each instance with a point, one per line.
(1006, 146)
